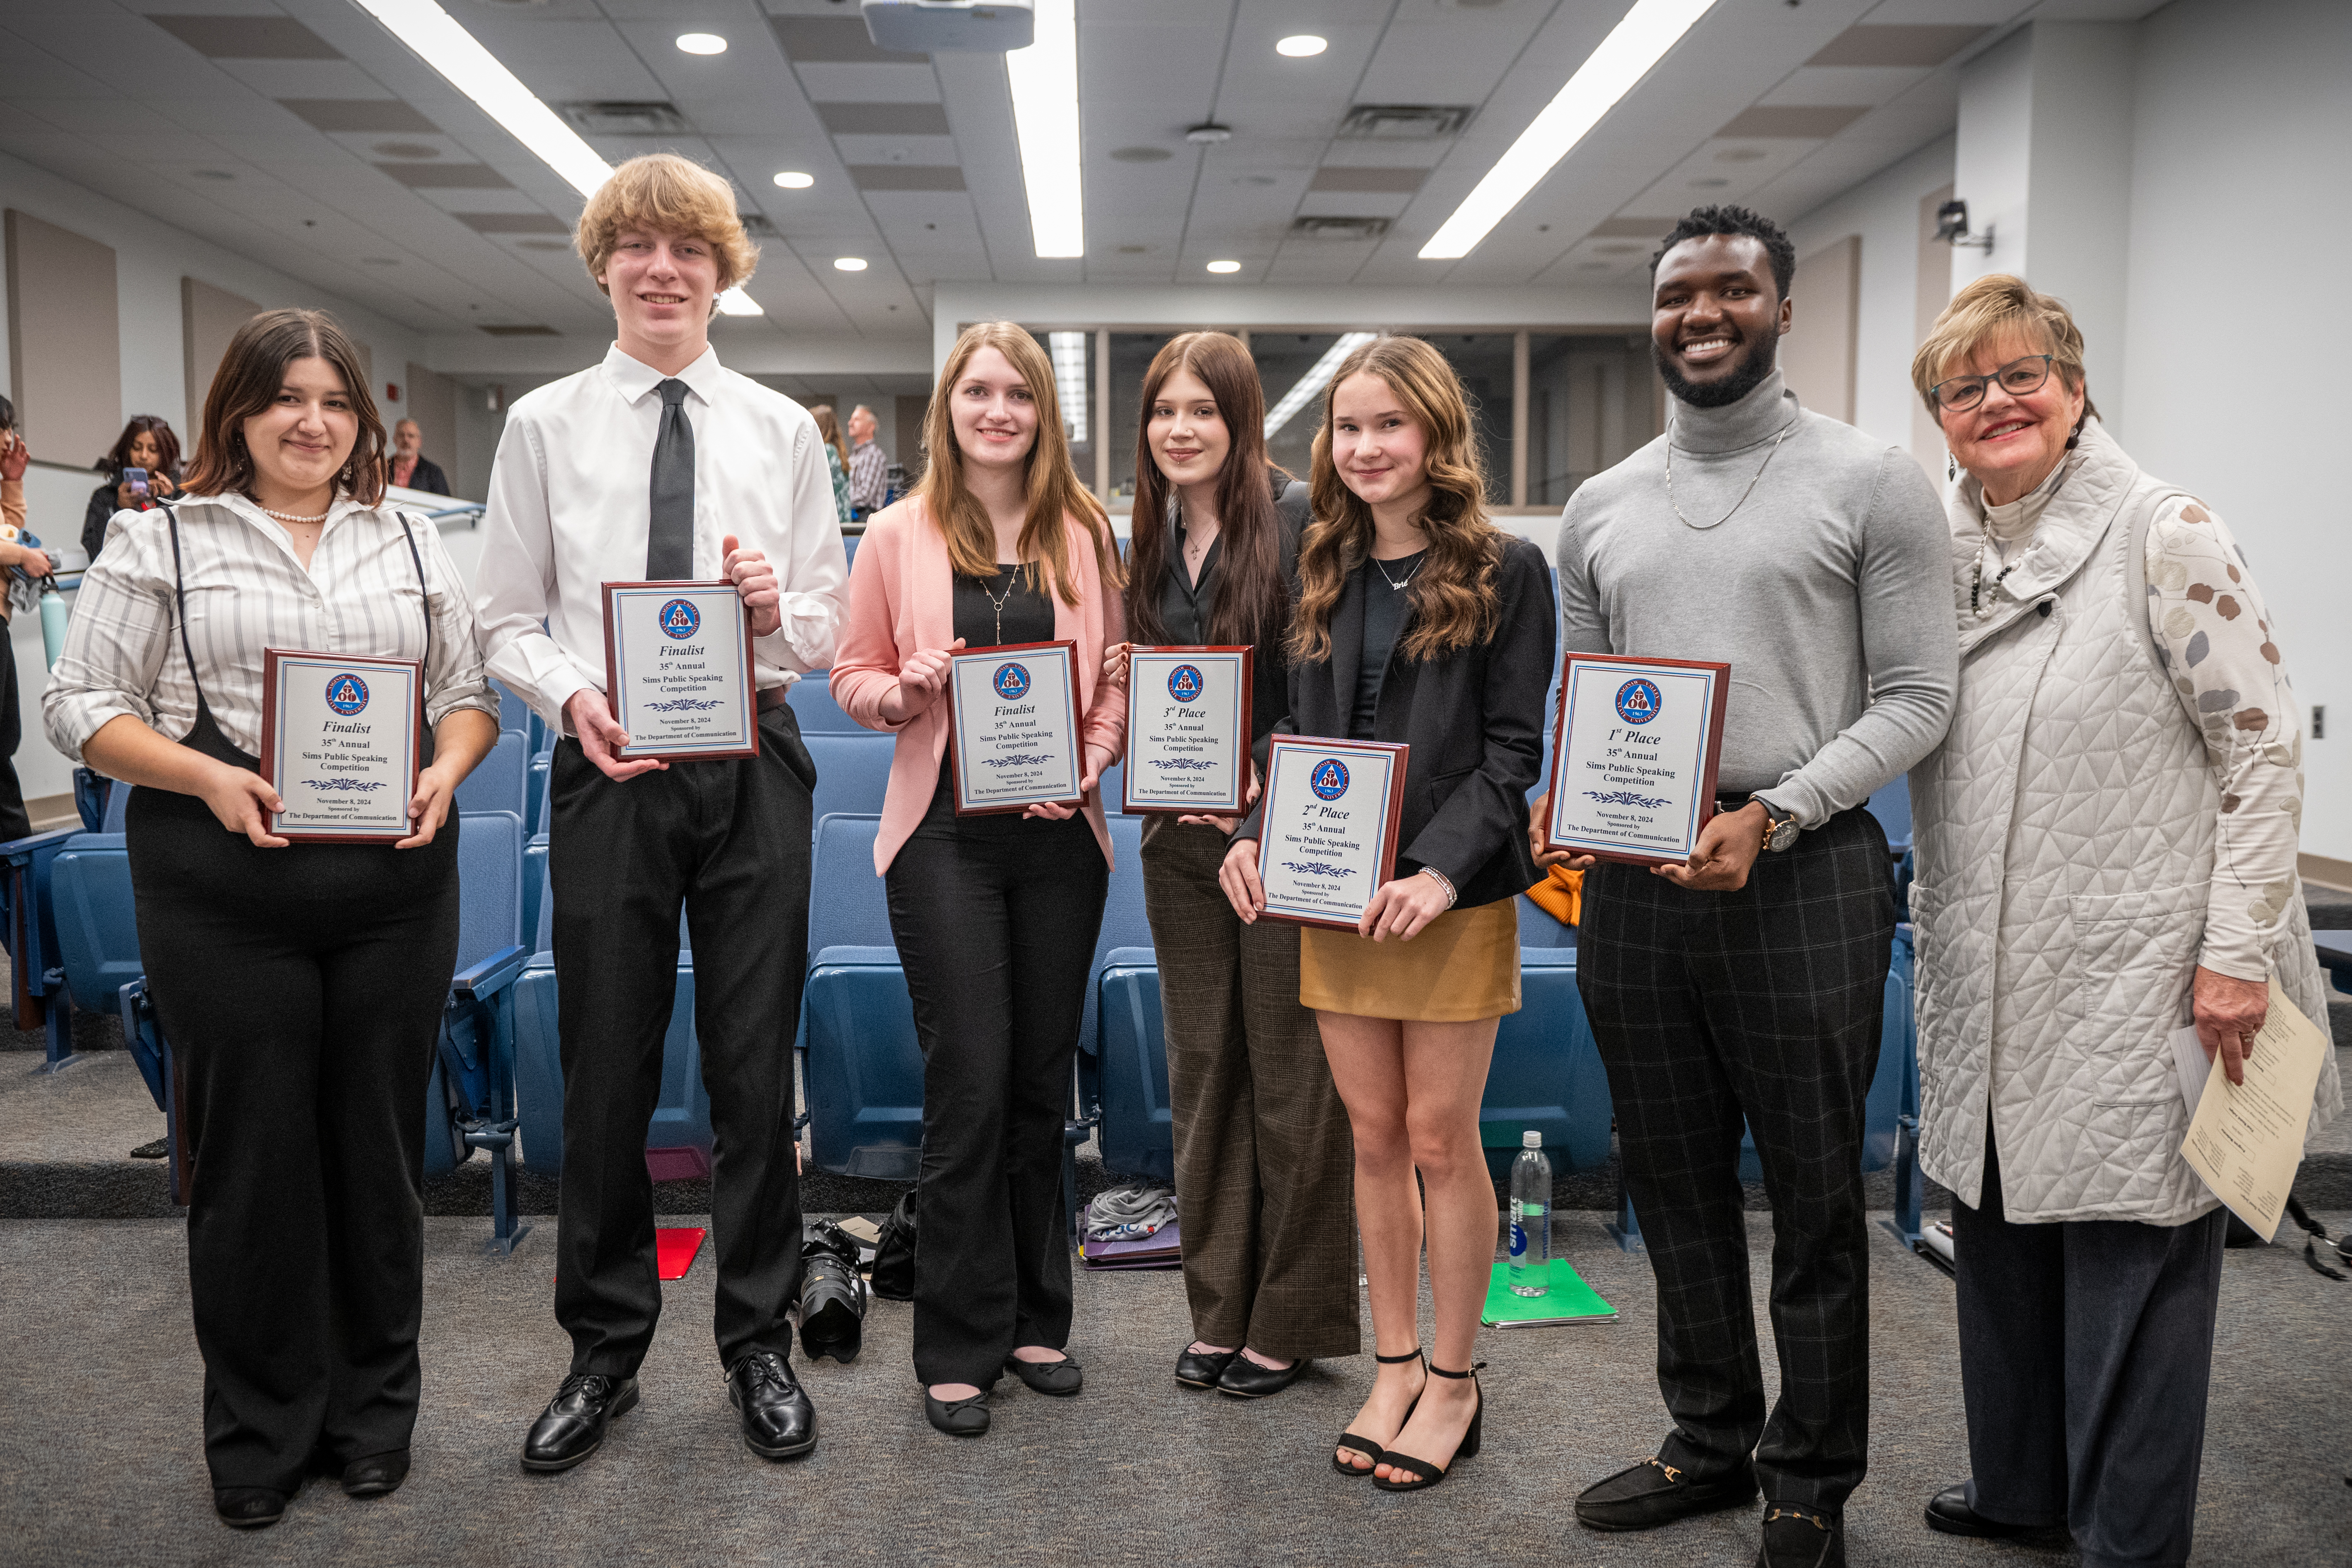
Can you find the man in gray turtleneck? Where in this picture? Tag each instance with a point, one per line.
(1749, 982)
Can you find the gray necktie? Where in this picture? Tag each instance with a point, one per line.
(669, 533)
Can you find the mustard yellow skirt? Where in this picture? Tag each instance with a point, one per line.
(1464, 965)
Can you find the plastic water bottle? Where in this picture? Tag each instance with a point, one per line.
(1530, 1272)
(53, 620)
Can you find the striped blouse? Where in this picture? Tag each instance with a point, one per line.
(246, 591)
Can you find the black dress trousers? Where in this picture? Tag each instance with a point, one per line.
(1767, 1004)
(729, 840)
(14, 822)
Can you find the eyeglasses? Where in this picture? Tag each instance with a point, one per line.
(2019, 377)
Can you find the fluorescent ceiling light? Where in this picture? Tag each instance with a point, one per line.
(702, 43)
(473, 71)
(1301, 47)
(849, 264)
(1638, 42)
(1069, 351)
(1045, 80)
(793, 180)
(735, 302)
(1314, 381)
(1224, 267)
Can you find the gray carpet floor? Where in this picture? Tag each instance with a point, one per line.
(101, 1463)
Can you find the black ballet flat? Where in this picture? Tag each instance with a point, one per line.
(1060, 1378)
(1244, 1379)
(1201, 1369)
(249, 1508)
(1421, 1473)
(1352, 1444)
(958, 1417)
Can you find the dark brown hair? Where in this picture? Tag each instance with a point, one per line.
(1055, 497)
(830, 429)
(167, 443)
(246, 384)
(1453, 595)
(1252, 598)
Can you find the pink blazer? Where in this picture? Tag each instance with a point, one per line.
(901, 601)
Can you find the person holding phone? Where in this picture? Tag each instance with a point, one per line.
(1264, 1168)
(141, 470)
(995, 917)
(20, 556)
(1418, 621)
(301, 984)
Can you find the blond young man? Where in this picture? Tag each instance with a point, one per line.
(658, 463)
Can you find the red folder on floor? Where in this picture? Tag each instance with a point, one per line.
(674, 1249)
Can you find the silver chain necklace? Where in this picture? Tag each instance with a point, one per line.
(1719, 522)
(1391, 581)
(1012, 581)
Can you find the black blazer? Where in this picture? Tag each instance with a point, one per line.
(428, 476)
(1475, 720)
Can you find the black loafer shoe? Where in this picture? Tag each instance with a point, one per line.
(375, 1475)
(1652, 1493)
(572, 1426)
(778, 1422)
(1201, 1369)
(1059, 1378)
(249, 1508)
(1949, 1511)
(1801, 1538)
(958, 1417)
(1244, 1379)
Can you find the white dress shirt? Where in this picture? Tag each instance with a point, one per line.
(570, 506)
(247, 591)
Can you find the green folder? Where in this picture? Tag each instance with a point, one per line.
(1567, 1299)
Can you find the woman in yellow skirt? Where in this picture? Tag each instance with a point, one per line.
(1417, 621)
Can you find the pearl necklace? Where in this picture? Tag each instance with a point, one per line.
(291, 517)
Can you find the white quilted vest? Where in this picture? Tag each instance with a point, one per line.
(2064, 832)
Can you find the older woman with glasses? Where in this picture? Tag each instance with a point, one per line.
(2106, 844)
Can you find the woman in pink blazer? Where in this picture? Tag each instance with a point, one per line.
(995, 917)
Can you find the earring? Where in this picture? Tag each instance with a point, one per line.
(1951, 467)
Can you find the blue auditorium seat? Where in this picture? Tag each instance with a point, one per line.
(97, 925)
(1892, 807)
(1547, 1075)
(818, 713)
(862, 1066)
(40, 986)
(1130, 1067)
(852, 772)
(90, 790)
(514, 713)
(2334, 950)
(498, 780)
(539, 792)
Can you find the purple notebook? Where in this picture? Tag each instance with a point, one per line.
(1163, 1248)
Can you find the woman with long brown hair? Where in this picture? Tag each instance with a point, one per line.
(1418, 621)
(1262, 1155)
(301, 984)
(836, 456)
(995, 917)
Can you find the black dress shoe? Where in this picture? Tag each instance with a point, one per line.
(1801, 1538)
(1244, 1379)
(958, 1417)
(1949, 1511)
(572, 1426)
(1059, 1378)
(375, 1475)
(1652, 1493)
(778, 1422)
(249, 1508)
(1201, 1369)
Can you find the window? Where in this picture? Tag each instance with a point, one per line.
(1591, 402)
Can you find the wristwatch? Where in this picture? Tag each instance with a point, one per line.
(1782, 831)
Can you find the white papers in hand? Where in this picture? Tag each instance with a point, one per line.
(2246, 1139)
(2189, 1061)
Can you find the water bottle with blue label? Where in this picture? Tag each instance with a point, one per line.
(1531, 1267)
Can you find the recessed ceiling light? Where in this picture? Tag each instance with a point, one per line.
(1224, 266)
(793, 180)
(702, 43)
(1301, 45)
(1044, 83)
(1208, 133)
(849, 264)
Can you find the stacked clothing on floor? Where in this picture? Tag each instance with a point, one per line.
(1132, 1228)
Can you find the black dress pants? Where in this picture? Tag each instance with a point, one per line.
(14, 821)
(2085, 1350)
(302, 989)
(1765, 1004)
(995, 919)
(729, 840)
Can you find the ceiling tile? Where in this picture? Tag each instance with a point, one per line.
(248, 37)
(385, 114)
(831, 38)
(884, 118)
(448, 177)
(1403, 182)
(870, 83)
(1868, 45)
(1812, 121)
(906, 177)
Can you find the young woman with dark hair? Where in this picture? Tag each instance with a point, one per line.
(995, 917)
(301, 984)
(1418, 621)
(147, 442)
(1262, 1155)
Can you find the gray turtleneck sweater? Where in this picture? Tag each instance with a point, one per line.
(1827, 590)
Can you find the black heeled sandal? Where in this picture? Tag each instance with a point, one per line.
(1365, 1446)
(1422, 1473)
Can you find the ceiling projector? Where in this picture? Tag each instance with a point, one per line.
(928, 26)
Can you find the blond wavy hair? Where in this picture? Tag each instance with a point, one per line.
(667, 195)
(1995, 306)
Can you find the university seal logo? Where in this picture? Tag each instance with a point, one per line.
(1329, 779)
(680, 620)
(347, 694)
(1012, 681)
(1637, 702)
(1184, 683)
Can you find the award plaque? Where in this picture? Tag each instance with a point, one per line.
(1635, 758)
(1188, 731)
(1014, 729)
(678, 670)
(338, 742)
(1328, 837)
